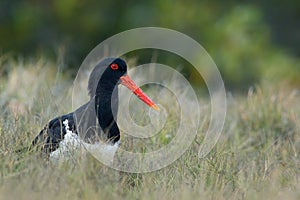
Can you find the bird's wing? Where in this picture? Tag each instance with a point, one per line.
(53, 133)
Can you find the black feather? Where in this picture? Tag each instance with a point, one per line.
(93, 120)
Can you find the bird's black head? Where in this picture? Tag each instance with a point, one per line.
(110, 72)
(107, 73)
(117, 68)
(114, 71)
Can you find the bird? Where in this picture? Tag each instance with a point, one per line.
(93, 124)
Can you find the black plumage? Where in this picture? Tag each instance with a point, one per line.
(94, 120)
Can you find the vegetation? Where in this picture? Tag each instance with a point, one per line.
(249, 42)
(257, 155)
(256, 47)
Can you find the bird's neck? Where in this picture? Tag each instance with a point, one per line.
(106, 103)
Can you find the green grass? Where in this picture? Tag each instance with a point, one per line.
(256, 157)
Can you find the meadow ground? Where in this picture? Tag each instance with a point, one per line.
(256, 157)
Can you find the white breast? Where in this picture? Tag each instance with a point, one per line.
(72, 146)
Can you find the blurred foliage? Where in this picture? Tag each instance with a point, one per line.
(250, 42)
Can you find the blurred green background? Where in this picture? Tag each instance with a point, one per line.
(252, 43)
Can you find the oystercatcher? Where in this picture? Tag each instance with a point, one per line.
(94, 123)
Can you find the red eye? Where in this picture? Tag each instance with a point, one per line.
(114, 66)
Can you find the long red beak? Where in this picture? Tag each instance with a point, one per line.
(128, 82)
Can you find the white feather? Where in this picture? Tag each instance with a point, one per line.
(70, 147)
